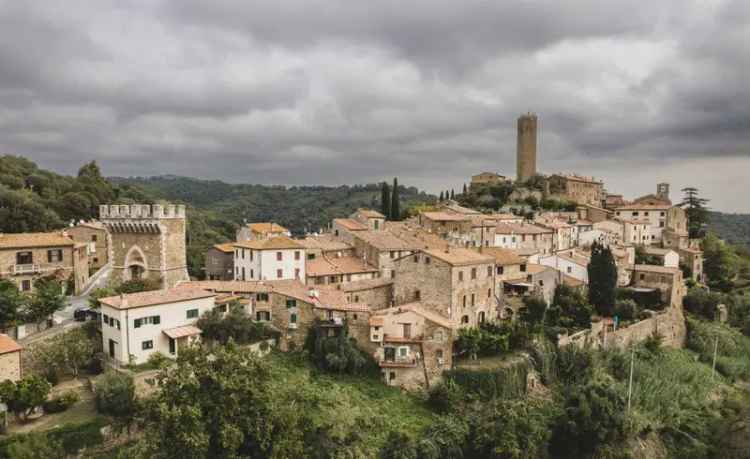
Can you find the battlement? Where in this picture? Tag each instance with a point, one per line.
(141, 211)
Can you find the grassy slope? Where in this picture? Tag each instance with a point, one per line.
(359, 411)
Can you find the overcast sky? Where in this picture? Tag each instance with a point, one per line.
(349, 91)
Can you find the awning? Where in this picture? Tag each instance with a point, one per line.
(182, 332)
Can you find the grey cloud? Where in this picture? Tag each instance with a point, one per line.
(334, 91)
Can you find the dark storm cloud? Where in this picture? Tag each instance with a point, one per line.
(334, 91)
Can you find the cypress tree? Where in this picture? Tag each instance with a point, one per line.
(395, 205)
(602, 272)
(464, 189)
(453, 195)
(440, 199)
(385, 200)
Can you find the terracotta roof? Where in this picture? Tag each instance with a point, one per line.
(521, 228)
(272, 243)
(571, 281)
(8, 344)
(445, 216)
(351, 224)
(532, 268)
(644, 207)
(502, 256)
(182, 332)
(651, 199)
(376, 321)
(324, 242)
(326, 266)
(454, 207)
(320, 296)
(265, 228)
(226, 247)
(655, 269)
(24, 240)
(416, 236)
(232, 286)
(225, 298)
(574, 258)
(155, 297)
(369, 213)
(384, 240)
(457, 256)
(417, 308)
(366, 284)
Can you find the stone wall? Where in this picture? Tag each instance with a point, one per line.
(375, 298)
(10, 366)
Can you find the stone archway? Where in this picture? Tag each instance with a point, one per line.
(136, 266)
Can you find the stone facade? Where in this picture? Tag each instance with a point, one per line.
(94, 235)
(10, 359)
(27, 257)
(376, 294)
(580, 189)
(457, 283)
(146, 242)
(220, 262)
(526, 147)
(667, 280)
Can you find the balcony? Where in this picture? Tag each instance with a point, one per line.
(398, 363)
(26, 269)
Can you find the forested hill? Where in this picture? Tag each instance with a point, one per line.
(299, 208)
(733, 228)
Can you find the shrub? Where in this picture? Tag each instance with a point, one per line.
(444, 396)
(115, 395)
(626, 309)
(61, 403)
(157, 360)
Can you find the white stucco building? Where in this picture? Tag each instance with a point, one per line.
(136, 325)
(570, 263)
(269, 259)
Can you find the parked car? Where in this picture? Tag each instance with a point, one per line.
(83, 314)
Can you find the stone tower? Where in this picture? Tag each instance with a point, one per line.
(662, 191)
(526, 148)
(147, 242)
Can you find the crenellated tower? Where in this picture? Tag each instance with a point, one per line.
(147, 242)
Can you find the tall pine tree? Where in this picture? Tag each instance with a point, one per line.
(385, 200)
(464, 189)
(602, 279)
(395, 205)
(696, 211)
(440, 199)
(453, 195)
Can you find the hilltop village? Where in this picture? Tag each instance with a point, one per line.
(402, 290)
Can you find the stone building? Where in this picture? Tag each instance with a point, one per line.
(325, 244)
(94, 235)
(345, 229)
(675, 234)
(535, 280)
(333, 270)
(577, 188)
(524, 236)
(10, 359)
(374, 293)
(445, 224)
(260, 231)
(488, 178)
(147, 242)
(667, 280)
(380, 249)
(220, 262)
(457, 283)
(414, 345)
(653, 213)
(372, 218)
(526, 147)
(27, 257)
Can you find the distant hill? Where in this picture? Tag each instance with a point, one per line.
(733, 228)
(299, 208)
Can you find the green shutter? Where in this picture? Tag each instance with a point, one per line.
(156, 320)
(137, 323)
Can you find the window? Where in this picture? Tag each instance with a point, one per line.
(293, 318)
(296, 273)
(221, 308)
(569, 269)
(465, 319)
(416, 258)
(500, 270)
(473, 273)
(489, 271)
(291, 303)
(392, 375)
(261, 296)
(24, 258)
(392, 254)
(489, 293)
(403, 351)
(541, 283)
(643, 276)
(145, 345)
(377, 224)
(645, 213)
(296, 255)
(137, 323)
(155, 320)
(279, 273)
(662, 214)
(393, 273)
(243, 273)
(252, 274)
(55, 255)
(417, 295)
(523, 267)
(243, 254)
(473, 299)
(427, 260)
(25, 285)
(192, 313)
(356, 298)
(251, 255)
(460, 276)
(279, 256)
(263, 316)
(93, 238)
(661, 224)
(105, 319)
(464, 301)
(310, 256)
